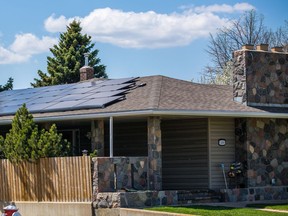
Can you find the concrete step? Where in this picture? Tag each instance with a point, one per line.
(198, 196)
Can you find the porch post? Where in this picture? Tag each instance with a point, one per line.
(154, 153)
(97, 136)
(111, 136)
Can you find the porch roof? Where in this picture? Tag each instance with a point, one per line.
(167, 96)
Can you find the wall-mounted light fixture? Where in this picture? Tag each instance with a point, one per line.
(221, 142)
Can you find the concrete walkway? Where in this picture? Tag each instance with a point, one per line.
(138, 212)
(274, 210)
(244, 204)
(141, 212)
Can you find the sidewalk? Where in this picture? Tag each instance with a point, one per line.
(244, 204)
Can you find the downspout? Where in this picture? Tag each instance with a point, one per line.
(111, 136)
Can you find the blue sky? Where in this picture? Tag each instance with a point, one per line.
(134, 37)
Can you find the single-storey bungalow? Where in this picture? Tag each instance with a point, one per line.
(178, 136)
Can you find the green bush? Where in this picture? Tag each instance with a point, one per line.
(25, 142)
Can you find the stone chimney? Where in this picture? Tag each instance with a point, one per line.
(260, 77)
(86, 72)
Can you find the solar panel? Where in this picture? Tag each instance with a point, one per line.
(14, 102)
(119, 81)
(110, 88)
(42, 99)
(64, 105)
(106, 94)
(9, 110)
(98, 102)
(93, 83)
(72, 97)
(83, 95)
(79, 90)
(39, 107)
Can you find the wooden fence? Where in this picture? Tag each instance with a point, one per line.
(61, 179)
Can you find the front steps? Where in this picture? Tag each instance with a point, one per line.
(198, 196)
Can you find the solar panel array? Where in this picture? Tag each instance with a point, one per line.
(82, 95)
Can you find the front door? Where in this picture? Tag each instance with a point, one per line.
(185, 154)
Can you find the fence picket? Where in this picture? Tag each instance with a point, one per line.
(51, 179)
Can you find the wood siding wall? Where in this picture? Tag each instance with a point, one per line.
(129, 139)
(221, 128)
(185, 154)
(63, 179)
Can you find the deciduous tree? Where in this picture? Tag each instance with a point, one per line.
(248, 29)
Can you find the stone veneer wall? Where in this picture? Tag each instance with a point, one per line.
(267, 152)
(97, 136)
(241, 152)
(260, 77)
(131, 174)
(263, 145)
(154, 153)
(255, 194)
(139, 199)
(239, 77)
(240, 140)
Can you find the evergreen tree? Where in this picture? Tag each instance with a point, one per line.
(8, 85)
(25, 142)
(68, 58)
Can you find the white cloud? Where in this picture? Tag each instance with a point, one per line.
(9, 57)
(149, 29)
(224, 8)
(128, 29)
(52, 25)
(29, 44)
(23, 47)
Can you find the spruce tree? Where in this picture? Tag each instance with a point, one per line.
(25, 142)
(68, 57)
(8, 85)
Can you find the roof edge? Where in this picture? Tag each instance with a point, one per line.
(157, 112)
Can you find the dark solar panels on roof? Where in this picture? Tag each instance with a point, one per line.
(82, 95)
(99, 101)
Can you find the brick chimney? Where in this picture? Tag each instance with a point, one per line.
(260, 77)
(86, 72)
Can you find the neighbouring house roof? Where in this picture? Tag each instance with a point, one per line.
(160, 95)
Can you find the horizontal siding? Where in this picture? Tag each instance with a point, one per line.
(129, 139)
(184, 154)
(221, 128)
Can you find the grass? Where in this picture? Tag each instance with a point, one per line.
(215, 211)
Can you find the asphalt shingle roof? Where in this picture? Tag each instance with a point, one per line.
(169, 94)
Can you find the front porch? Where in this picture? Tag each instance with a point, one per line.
(170, 160)
(184, 160)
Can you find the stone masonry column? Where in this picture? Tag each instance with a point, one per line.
(97, 137)
(154, 153)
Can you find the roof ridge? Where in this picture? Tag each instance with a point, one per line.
(160, 91)
(155, 92)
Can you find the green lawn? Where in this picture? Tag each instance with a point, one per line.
(215, 211)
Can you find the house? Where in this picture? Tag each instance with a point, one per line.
(163, 138)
